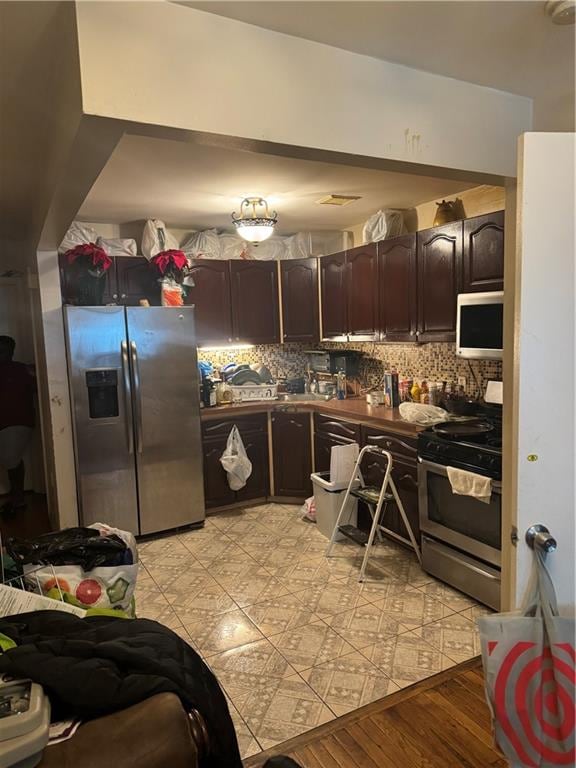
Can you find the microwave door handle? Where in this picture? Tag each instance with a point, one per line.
(137, 395)
(127, 397)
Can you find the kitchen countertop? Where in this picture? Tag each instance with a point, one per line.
(352, 409)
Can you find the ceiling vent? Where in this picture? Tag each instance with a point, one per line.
(338, 199)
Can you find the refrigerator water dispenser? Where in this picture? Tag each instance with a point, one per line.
(102, 387)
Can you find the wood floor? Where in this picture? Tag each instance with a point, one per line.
(442, 722)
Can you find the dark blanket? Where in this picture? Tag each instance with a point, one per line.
(97, 665)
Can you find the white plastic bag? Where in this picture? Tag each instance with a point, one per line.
(118, 246)
(156, 238)
(425, 415)
(78, 234)
(383, 224)
(235, 461)
(203, 245)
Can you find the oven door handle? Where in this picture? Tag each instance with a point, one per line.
(441, 469)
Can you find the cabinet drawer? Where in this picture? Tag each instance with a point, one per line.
(220, 428)
(327, 425)
(405, 447)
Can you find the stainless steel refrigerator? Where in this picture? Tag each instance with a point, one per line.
(135, 403)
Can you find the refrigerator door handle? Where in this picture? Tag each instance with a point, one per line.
(127, 398)
(137, 396)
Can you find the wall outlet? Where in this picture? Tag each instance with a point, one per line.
(462, 382)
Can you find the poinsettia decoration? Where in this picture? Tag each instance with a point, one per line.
(171, 264)
(91, 257)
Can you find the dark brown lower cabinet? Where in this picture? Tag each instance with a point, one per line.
(253, 430)
(323, 448)
(258, 484)
(291, 442)
(405, 476)
(217, 492)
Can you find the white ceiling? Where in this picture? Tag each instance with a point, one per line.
(189, 185)
(511, 46)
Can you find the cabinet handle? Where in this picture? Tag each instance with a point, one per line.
(413, 333)
(230, 338)
(123, 296)
(410, 479)
(114, 296)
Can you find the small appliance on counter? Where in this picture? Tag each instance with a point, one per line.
(334, 361)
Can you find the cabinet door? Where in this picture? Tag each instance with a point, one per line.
(69, 278)
(292, 454)
(330, 426)
(258, 484)
(334, 297)
(217, 492)
(299, 289)
(405, 477)
(137, 279)
(483, 253)
(398, 288)
(439, 265)
(210, 296)
(323, 450)
(255, 305)
(362, 292)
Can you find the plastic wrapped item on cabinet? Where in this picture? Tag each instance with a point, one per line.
(234, 247)
(203, 245)
(118, 246)
(383, 224)
(156, 238)
(78, 234)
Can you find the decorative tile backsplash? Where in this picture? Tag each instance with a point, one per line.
(433, 362)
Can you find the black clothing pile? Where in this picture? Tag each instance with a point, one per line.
(96, 665)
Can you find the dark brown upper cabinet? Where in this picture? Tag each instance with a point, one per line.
(362, 293)
(439, 268)
(483, 253)
(127, 281)
(210, 296)
(299, 290)
(334, 297)
(398, 297)
(136, 279)
(255, 305)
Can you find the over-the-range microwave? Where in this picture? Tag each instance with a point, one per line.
(479, 325)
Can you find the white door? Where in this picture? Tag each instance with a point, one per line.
(541, 485)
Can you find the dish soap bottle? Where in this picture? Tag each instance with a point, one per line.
(341, 385)
(415, 392)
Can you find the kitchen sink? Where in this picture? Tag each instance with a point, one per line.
(304, 397)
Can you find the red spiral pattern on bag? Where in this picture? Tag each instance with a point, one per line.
(534, 702)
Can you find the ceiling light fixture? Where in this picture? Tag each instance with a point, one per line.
(561, 11)
(254, 225)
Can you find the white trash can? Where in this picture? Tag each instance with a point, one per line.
(328, 498)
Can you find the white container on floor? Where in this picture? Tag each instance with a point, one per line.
(328, 498)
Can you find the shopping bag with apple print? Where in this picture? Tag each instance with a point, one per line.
(529, 669)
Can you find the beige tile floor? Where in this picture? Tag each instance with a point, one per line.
(293, 638)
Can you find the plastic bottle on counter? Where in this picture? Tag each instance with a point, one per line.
(415, 392)
(341, 385)
(424, 394)
(208, 393)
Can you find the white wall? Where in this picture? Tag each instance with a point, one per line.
(165, 64)
(543, 370)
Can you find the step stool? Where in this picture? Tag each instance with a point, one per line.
(377, 500)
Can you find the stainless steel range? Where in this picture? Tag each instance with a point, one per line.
(461, 535)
